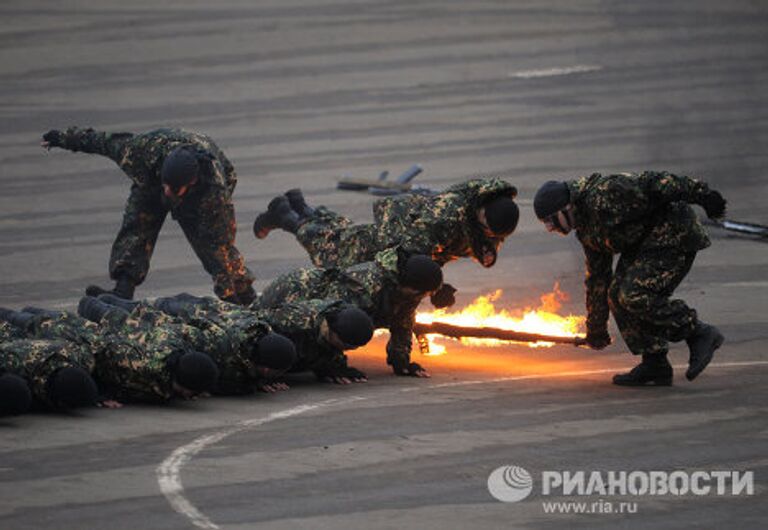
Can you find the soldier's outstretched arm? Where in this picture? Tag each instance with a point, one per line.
(598, 279)
(88, 140)
(212, 237)
(401, 341)
(666, 187)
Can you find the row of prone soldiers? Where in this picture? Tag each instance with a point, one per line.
(116, 350)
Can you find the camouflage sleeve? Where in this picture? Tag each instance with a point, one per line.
(289, 287)
(598, 278)
(111, 145)
(224, 170)
(401, 332)
(422, 242)
(665, 187)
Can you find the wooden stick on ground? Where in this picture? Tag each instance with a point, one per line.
(450, 330)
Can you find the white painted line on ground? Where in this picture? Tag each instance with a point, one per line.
(168, 477)
(169, 471)
(551, 72)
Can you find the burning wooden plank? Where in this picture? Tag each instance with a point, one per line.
(458, 332)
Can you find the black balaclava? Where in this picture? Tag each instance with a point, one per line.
(353, 326)
(275, 351)
(421, 273)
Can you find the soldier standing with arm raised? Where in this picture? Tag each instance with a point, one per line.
(174, 171)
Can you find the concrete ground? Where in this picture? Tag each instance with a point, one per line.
(299, 92)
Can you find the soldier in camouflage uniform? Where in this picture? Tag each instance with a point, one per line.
(646, 219)
(57, 371)
(132, 358)
(177, 171)
(321, 330)
(248, 354)
(388, 289)
(470, 219)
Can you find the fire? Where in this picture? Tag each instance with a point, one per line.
(482, 312)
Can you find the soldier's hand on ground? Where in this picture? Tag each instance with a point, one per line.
(271, 388)
(52, 138)
(444, 296)
(598, 340)
(110, 404)
(714, 205)
(411, 369)
(355, 375)
(338, 380)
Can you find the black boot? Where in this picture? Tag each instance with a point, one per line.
(177, 305)
(51, 313)
(702, 344)
(94, 309)
(297, 202)
(19, 319)
(122, 303)
(124, 288)
(279, 214)
(654, 370)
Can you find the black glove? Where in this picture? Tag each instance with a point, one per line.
(714, 205)
(444, 297)
(353, 373)
(598, 340)
(406, 368)
(54, 138)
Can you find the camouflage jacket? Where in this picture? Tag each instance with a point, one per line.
(36, 360)
(443, 226)
(141, 156)
(632, 213)
(372, 286)
(130, 354)
(229, 334)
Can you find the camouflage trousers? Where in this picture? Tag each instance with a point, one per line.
(331, 240)
(210, 232)
(639, 298)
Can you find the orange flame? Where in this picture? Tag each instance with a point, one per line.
(482, 312)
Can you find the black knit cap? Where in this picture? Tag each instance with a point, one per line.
(72, 387)
(552, 197)
(275, 351)
(502, 215)
(352, 326)
(421, 273)
(196, 371)
(180, 167)
(15, 397)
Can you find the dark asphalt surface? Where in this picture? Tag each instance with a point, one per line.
(300, 92)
